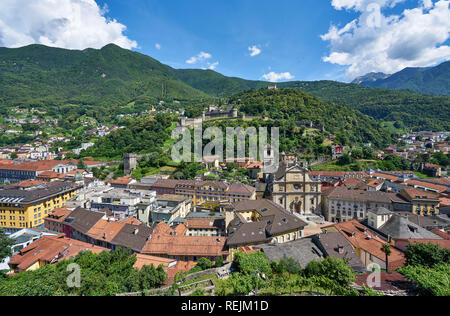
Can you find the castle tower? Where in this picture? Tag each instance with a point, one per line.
(129, 162)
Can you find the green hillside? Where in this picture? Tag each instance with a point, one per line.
(216, 84)
(110, 76)
(120, 80)
(414, 110)
(433, 80)
(288, 108)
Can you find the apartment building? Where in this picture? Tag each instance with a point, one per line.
(342, 204)
(206, 191)
(28, 208)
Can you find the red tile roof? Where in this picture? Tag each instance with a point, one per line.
(393, 281)
(413, 193)
(444, 235)
(122, 181)
(437, 187)
(357, 235)
(166, 241)
(402, 243)
(49, 250)
(147, 260)
(28, 183)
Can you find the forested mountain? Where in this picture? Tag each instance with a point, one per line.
(414, 110)
(370, 77)
(38, 74)
(432, 80)
(290, 108)
(113, 77)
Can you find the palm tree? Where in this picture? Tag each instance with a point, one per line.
(386, 248)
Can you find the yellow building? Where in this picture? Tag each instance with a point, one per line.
(423, 203)
(214, 191)
(27, 208)
(251, 223)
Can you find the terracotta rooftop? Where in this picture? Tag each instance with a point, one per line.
(105, 230)
(437, 187)
(50, 249)
(122, 181)
(204, 223)
(412, 193)
(345, 194)
(147, 260)
(28, 183)
(164, 241)
(360, 237)
(403, 243)
(58, 215)
(392, 281)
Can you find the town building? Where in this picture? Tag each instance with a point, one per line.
(205, 191)
(49, 250)
(22, 239)
(197, 226)
(367, 245)
(167, 208)
(302, 250)
(28, 208)
(419, 202)
(258, 222)
(294, 190)
(121, 202)
(341, 204)
(337, 246)
(173, 243)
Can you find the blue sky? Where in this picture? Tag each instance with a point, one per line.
(289, 39)
(287, 33)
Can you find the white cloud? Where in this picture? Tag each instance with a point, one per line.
(201, 57)
(378, 43)
(73, 24)
(158, 46)
(213, 65)
(275, 77)
(362, 5)
(254, 50)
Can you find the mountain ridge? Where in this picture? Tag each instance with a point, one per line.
(429, 80)
(38, 75)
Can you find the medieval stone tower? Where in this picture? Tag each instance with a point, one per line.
(129, 162)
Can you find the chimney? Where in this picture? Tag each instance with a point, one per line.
(136, 231)
(341, 250)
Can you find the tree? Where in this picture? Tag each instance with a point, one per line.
(255, 262)
(334, 269)
(431, 280)
(386, 248)
(5, 245)
(81, 165)
(426, 255)
(291, 266)
(205, 263)
(151, 277)
(219, 261)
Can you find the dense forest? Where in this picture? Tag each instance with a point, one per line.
(411, 109)
(40, 75)
(435, 80)
(293, 109)
(140, 136)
